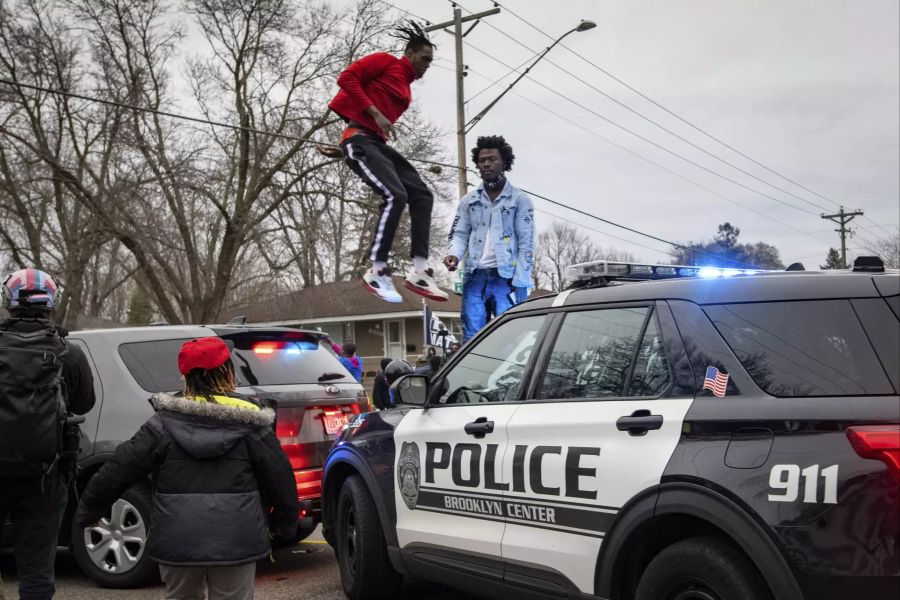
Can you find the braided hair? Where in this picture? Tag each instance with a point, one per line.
(414, 36)
(207, 383)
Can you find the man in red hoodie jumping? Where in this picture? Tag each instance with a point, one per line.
(374, 93)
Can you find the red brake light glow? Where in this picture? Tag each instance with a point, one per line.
(879, 442)
(265, 347)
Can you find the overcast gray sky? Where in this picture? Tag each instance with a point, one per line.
(809, 88)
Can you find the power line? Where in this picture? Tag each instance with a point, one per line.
(639, 114)
(653, 237)
(647, 140)
(605, 233)
(651, 142)
(666, 169)
(669, 131)
(637, 135)
(677, 116)
(656, 164)
(310, 140)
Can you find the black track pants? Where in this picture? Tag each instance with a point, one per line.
(36, 515)
(388, 173)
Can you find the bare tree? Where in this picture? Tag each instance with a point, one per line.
(125, 200)
(887, 248)
(48, 147)
(562, 245)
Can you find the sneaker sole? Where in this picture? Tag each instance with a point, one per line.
(379, 296)
(422, 292)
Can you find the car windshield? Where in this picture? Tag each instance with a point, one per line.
(259, 357)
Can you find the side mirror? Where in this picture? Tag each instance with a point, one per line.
(411, 390)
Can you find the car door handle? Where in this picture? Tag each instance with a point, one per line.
(480, 427)
(639, 422)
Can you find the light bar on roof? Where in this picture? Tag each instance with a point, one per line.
(639, 271)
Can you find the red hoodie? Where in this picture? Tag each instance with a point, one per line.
(380, 79)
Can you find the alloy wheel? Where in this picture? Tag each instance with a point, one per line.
(116, 545)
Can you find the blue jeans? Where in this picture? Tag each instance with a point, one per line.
(486, 295)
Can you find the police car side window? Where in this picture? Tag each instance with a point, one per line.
(494, 369)
(651, 371)
(593, 354)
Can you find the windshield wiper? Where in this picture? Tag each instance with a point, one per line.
(329, 377)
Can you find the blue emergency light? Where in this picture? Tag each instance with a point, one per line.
(582, 273)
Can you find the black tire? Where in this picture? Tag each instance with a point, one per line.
(701, 569)
(366, 570)
(129, 566)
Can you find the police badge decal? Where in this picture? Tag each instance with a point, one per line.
(408, 474)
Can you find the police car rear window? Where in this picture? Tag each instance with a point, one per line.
(808, 348)
(259, 359)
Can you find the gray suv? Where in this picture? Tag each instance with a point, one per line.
(314, 397)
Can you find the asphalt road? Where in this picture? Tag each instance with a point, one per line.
(307, 571)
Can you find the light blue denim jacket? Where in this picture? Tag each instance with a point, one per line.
(511, 232)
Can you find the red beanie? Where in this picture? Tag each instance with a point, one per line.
(203, 353)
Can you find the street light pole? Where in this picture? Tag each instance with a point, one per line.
(460, 104)
(458, 34)
(583, 26)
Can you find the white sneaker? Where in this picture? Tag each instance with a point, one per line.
(424, 285)
(382, 285)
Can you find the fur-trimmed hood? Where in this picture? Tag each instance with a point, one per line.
(207, 429)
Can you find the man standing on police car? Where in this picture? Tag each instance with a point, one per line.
(493, 236)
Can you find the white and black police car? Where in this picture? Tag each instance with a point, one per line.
(717, 435)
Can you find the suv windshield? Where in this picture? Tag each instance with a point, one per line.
(260, 358)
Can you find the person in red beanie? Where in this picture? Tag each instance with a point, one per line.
(222, 485)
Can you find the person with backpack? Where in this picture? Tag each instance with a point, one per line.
(222, 485)
(43, 379)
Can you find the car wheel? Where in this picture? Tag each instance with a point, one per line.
(701, 569)
(366, 570)
(113, 553)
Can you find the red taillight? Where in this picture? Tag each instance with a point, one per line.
(879, 442)
(287, 423)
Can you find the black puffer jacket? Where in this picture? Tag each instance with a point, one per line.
(211, 466)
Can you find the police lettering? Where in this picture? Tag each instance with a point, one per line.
(471, 464)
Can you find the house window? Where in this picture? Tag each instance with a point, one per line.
(339, 332)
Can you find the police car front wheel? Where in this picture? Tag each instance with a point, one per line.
(366, 570)
(701, 569)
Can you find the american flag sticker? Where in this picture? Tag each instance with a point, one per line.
(715, 381)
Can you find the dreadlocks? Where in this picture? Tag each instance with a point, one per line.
(414, 36)
(206, 383)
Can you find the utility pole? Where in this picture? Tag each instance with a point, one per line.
(842, 218)
(458, 34)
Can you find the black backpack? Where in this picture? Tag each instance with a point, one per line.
(32, 401)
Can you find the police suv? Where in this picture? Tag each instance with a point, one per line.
(711, 434)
